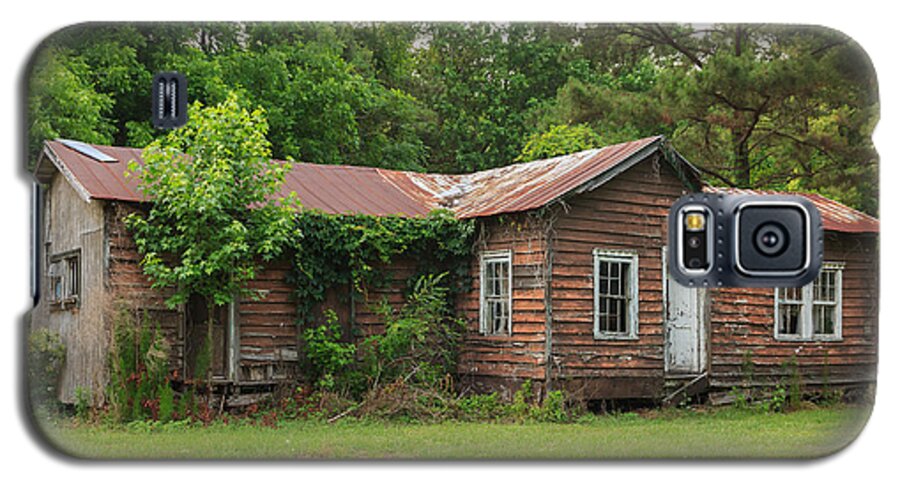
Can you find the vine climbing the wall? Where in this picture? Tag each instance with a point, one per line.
(353, 250)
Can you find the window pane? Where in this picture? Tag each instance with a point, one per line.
(614, 287)
(791, 294)
(496, 279)
(789, 319)
(824, 287)
(823, 318)
(621, 321)
(72, 264)
(612, 325)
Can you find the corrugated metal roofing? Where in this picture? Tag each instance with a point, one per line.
(835, 216)
(350, 189)
(339, 189)
(101, 180)
(529, 185)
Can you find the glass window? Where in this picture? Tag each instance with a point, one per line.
(812, 312)
(496, 295)
(790, 308)
(65, 277)
(615, 294)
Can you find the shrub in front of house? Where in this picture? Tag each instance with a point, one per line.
(46, 356)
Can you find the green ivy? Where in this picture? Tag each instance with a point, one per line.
(353, 250)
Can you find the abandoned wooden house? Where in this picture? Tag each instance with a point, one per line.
(569, 282)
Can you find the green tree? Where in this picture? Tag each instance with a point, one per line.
(560, 140)
(480, 80)
(113, 65)
(215, 214)
(322, 110)
(776, 107)
(63, 103)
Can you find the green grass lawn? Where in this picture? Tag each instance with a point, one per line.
(724, 433)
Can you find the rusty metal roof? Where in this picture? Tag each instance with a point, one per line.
(529, 185)
(835, 216)
(339, 189)
(92, 178)
(330, 188)
(350, 189)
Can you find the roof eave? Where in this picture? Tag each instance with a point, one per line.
(691, 179)
(44, 173)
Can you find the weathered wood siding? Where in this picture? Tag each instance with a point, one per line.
(73, 224)
(267, 326)
(627, 213)
(128, 289)
(744, 351)
(502, 362)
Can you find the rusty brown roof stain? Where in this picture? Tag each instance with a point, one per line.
(343, 189)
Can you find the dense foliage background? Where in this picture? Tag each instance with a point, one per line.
(779, 107)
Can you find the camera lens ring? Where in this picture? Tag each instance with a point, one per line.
(694, 242)
(771, 239)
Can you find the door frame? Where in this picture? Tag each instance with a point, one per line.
(231, 338)
(702, 318)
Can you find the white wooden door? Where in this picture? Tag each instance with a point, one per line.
(685, 336)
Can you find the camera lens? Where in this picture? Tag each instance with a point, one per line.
(694, 242)
(695, 263)
(770, 239)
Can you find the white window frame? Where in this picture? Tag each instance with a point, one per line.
(487, 258)
(632, 293)
(805, 328)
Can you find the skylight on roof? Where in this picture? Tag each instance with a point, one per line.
(87, 150)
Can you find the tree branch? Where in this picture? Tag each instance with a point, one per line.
(717, 175)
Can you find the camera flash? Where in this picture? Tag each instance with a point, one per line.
(694, 221)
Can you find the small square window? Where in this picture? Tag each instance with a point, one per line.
(65, 278)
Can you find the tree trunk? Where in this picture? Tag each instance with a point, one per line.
(742, 164)
(210, 346)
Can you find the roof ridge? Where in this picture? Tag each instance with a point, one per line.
(402, 171)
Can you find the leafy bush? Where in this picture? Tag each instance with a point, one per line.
(83, 403)
(406, 371)
(552, 409)
(46, 356)
(419, 343)
(166, 402)
(480, 407)
(522, 402)
(525, 406)
(325, 353)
